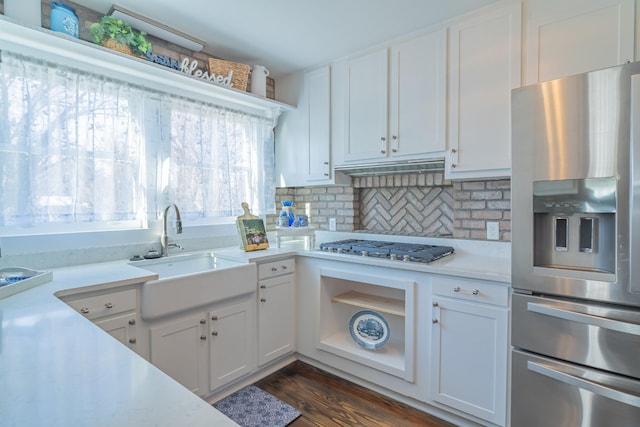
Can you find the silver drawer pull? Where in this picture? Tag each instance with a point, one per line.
(464, 291)
(284, 267)
(214, 317)
(434, 321)
(263, 300)
(132, 322)
(214, 333)
(203, 337)
(203, 321)
(132, 340)
(263, 286)
(274, 269)
(84, 310)
(108, 305)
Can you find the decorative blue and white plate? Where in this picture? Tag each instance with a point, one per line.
(369, 329)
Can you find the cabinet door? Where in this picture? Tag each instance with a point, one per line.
(576, 36)
(318, 87)
(485, 66)
(367, 99)
(122, 328)
(469, 350)
(232, 350)
(276, 318)
(418, 85)
(179, 349)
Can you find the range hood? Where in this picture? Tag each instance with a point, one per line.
(392, 168)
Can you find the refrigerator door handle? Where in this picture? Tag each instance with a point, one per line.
(611, 324)
(588, 385)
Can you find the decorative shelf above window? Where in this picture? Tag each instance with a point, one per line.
(60, 48)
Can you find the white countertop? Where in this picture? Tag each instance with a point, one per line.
(472, 259)
(59, 369)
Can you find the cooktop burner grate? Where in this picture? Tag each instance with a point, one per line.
(390, 250)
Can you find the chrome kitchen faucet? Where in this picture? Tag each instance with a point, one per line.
(164, 238)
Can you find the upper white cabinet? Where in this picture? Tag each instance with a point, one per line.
(575, 36)
(485, 56)
(396, 101)
(303, 136)
(367, 100)
(418, 107)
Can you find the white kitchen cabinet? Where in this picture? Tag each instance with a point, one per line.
(303, 136)
(232, 344)
(576, 36)
(366, 106)
(205, 350)
(180, 349)
(418, 101)
(485, 57)
(396, 101)
(470, 347)
(113, 311)
(276, 310)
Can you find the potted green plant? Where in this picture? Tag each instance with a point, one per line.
(118, 35)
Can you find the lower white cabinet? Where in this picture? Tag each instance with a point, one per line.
(276, 310)
(114, 311)
(179, 349)
(231, 347)
(206, 350)
(470, 348)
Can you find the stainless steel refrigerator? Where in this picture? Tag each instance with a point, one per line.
(576, 251)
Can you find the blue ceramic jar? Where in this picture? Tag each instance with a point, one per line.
(64, 19)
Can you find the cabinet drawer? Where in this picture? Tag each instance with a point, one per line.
(472, 290)
(106, 304)
(276, 268)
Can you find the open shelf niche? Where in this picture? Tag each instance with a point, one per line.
(343, 294)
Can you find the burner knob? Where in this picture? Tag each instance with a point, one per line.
(340, 250)
(365, 253)
(393, 257)
(406, 258)
(333, 250)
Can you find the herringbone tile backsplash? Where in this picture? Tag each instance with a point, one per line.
(407, 204)
(408, 210)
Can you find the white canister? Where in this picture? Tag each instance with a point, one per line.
(259, 80)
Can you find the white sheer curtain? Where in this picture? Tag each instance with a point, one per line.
(215, 159)
(80, 151)
(71, 149)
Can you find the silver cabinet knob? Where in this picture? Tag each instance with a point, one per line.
(383, 139)
(214, 317)
(284, 267)
(434, 321)
(263, 300)
(203, 321)
(394, 150)
(84, 310)
(435, 304)
(108, 305)
(214, 333)
(274, 269)
(263, 286)
(453, 150)
(132, 340)
(132, 322)
(203, 337)
(383, 151)
(454, 165)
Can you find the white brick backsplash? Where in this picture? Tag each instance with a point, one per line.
(409, 204)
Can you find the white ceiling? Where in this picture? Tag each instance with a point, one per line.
(290, 35)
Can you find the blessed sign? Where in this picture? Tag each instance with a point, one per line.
(191, 69)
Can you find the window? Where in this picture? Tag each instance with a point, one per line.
(80, 151)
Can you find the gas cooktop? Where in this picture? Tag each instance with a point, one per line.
(389, 250)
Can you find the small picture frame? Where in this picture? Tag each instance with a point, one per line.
(252, 234)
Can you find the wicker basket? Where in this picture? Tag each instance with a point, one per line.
(118, 47)
(240, 74)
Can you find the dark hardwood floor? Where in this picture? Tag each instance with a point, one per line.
(326, 400)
